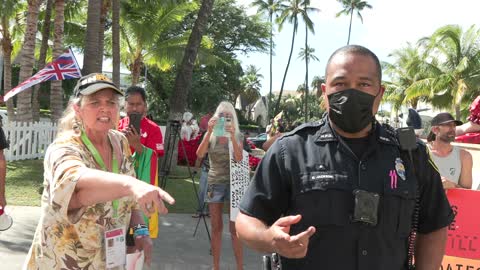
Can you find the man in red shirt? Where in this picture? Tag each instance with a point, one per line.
(147, 146)
(204, 122)
(150, 134)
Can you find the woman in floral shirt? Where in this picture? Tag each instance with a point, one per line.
(90, 188)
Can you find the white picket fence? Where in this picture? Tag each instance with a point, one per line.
(28, 140)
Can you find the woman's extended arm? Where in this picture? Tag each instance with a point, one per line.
(96, 186)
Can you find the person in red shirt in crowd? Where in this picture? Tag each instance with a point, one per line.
(204, 121)
(148, 138)
(149, 134)
(469, 132)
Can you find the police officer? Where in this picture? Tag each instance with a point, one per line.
(340, 194)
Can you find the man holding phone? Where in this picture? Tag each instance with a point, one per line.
(148, 133)
(146, 142)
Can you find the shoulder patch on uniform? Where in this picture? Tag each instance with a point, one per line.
(389, 129)
(400, 168)
(305, 126)
(389, 135)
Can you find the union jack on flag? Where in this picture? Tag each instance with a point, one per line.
(63, 68)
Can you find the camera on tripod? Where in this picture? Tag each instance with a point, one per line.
(174, 123)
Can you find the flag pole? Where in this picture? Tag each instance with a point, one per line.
(75, 59)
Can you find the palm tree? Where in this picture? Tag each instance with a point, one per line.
(10, 24)
(42, 58)
(306, 54)
(56, 91)
(306, 3)
(91, 52)
(24, 100)
(271, 7)
(105, 7)
(251, 86)
(144, 38)
(316, 84)
(455, 55)
(290, 13)
(116, 42)
(410, 65)
(349, 7)
(183, 81)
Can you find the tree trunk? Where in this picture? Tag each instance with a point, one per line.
(90, 56)
(294, 32)
(458, 113)
(56, 90)
(136, 69)
(42, 58)
(183, 81)
(101, 34)
(24, 100)
(307, 56)
(271, 67)
(350, 27)
(414, 103)
(116, 42)
(7, 48)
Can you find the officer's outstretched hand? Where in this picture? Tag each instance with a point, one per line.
(290, 246)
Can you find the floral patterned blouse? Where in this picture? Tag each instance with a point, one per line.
(74, 240)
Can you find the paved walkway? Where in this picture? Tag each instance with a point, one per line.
(175, 249)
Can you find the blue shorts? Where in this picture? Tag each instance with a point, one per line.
(218, 193)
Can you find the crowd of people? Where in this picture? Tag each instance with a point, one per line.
(326, 194)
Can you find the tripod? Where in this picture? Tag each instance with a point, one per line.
(174, 134)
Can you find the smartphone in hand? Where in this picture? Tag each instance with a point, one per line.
(219, 128)
(135, 119)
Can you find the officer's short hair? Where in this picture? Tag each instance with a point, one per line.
(360, 50)
(136, 90)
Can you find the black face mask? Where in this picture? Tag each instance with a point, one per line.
(351, 109)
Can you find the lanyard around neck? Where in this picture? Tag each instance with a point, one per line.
(99, 160)
(96, 155)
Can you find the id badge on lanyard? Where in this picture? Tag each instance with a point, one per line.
(115, 247)
(115, 244)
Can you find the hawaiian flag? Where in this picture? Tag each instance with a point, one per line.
(63, 68)
(146, 169)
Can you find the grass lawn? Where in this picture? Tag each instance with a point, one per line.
(25, 180)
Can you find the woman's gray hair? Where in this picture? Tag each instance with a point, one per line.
(69, 125)
(226, 106)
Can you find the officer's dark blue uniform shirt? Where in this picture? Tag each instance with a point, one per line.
(312, 172)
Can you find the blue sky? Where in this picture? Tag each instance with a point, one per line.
(389, 25)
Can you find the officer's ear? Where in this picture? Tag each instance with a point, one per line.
(378, 99)
(324, 94)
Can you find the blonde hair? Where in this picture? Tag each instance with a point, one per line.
(70, 125)
(226, 106)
